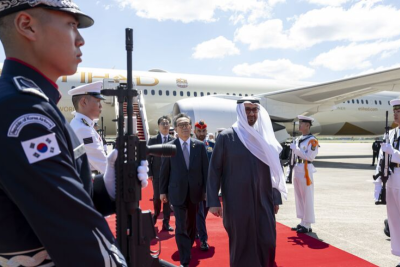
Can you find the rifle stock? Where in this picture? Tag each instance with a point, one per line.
(135, 228)
(292, 158)
(384, 171)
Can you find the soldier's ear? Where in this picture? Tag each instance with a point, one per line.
(25, 25)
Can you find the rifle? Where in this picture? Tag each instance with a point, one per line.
(135, 228)
(384, 171)
(292, 158)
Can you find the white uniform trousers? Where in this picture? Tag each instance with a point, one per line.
(304, 195)
(393, 210)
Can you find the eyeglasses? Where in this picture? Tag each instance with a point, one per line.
(254, 110)
(183, 125)
(164, 123)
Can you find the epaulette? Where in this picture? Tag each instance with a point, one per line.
(85, 122)
(28, 86)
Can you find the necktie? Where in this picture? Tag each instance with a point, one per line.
(165, 139)
(186, 154)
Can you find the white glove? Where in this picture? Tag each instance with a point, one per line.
(387, 148)
(293, 146)
(109, 175)
(142, 172)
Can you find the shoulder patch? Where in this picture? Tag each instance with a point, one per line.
(85, 122)
(88, 140)
(20, 122)
(29, 87)
(41, 148)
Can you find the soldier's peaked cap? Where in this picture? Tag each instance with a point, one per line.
(11, 6)
(92, 89)
(395, 102)
(304, 118)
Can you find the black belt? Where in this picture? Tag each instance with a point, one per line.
(299, 160)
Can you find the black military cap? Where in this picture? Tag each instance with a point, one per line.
(248, 99)
(11, 6)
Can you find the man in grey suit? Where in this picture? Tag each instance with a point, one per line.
(183, 182)
(154, 171)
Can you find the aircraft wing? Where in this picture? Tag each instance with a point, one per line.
(339, 91)
(285, 105)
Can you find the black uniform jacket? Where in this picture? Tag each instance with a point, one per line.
(177, 181)
(47, 197)
(155, 163)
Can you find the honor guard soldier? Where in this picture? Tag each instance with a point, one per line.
(393, 183)
(52, 213)
(200, 131)
(305, 149)
(87, 103)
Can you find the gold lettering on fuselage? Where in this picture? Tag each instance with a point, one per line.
(341, 108)
(367, 109)
(66, 108)
(140, 81)
(91, 77)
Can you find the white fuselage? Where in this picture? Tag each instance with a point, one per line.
(161, 90)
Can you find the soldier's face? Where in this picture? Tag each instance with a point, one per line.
(200, 133)
(92, 107)
(304, 126)
(396, 116)
(58, 43)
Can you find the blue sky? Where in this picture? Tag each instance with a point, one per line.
(295, 40)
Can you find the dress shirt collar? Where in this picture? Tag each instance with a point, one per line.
(163, 136)
(187, 141)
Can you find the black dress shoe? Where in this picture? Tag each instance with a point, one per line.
(204, 246)
(295, 228)
(167, 227)
(303, 230)
(386, 229)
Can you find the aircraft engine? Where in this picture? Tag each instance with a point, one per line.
(217, 113)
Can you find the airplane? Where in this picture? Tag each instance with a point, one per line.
(348, 107)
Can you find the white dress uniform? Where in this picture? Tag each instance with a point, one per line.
(93, 143)
(393, 184)
(305, 152)
(304, 194)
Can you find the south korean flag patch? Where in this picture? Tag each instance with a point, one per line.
(41, 148)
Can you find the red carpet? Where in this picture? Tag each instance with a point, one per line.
(292, 249)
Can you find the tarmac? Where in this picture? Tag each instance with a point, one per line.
(345, 211)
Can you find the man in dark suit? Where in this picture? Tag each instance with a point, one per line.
(182, 182)
(154, 171)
